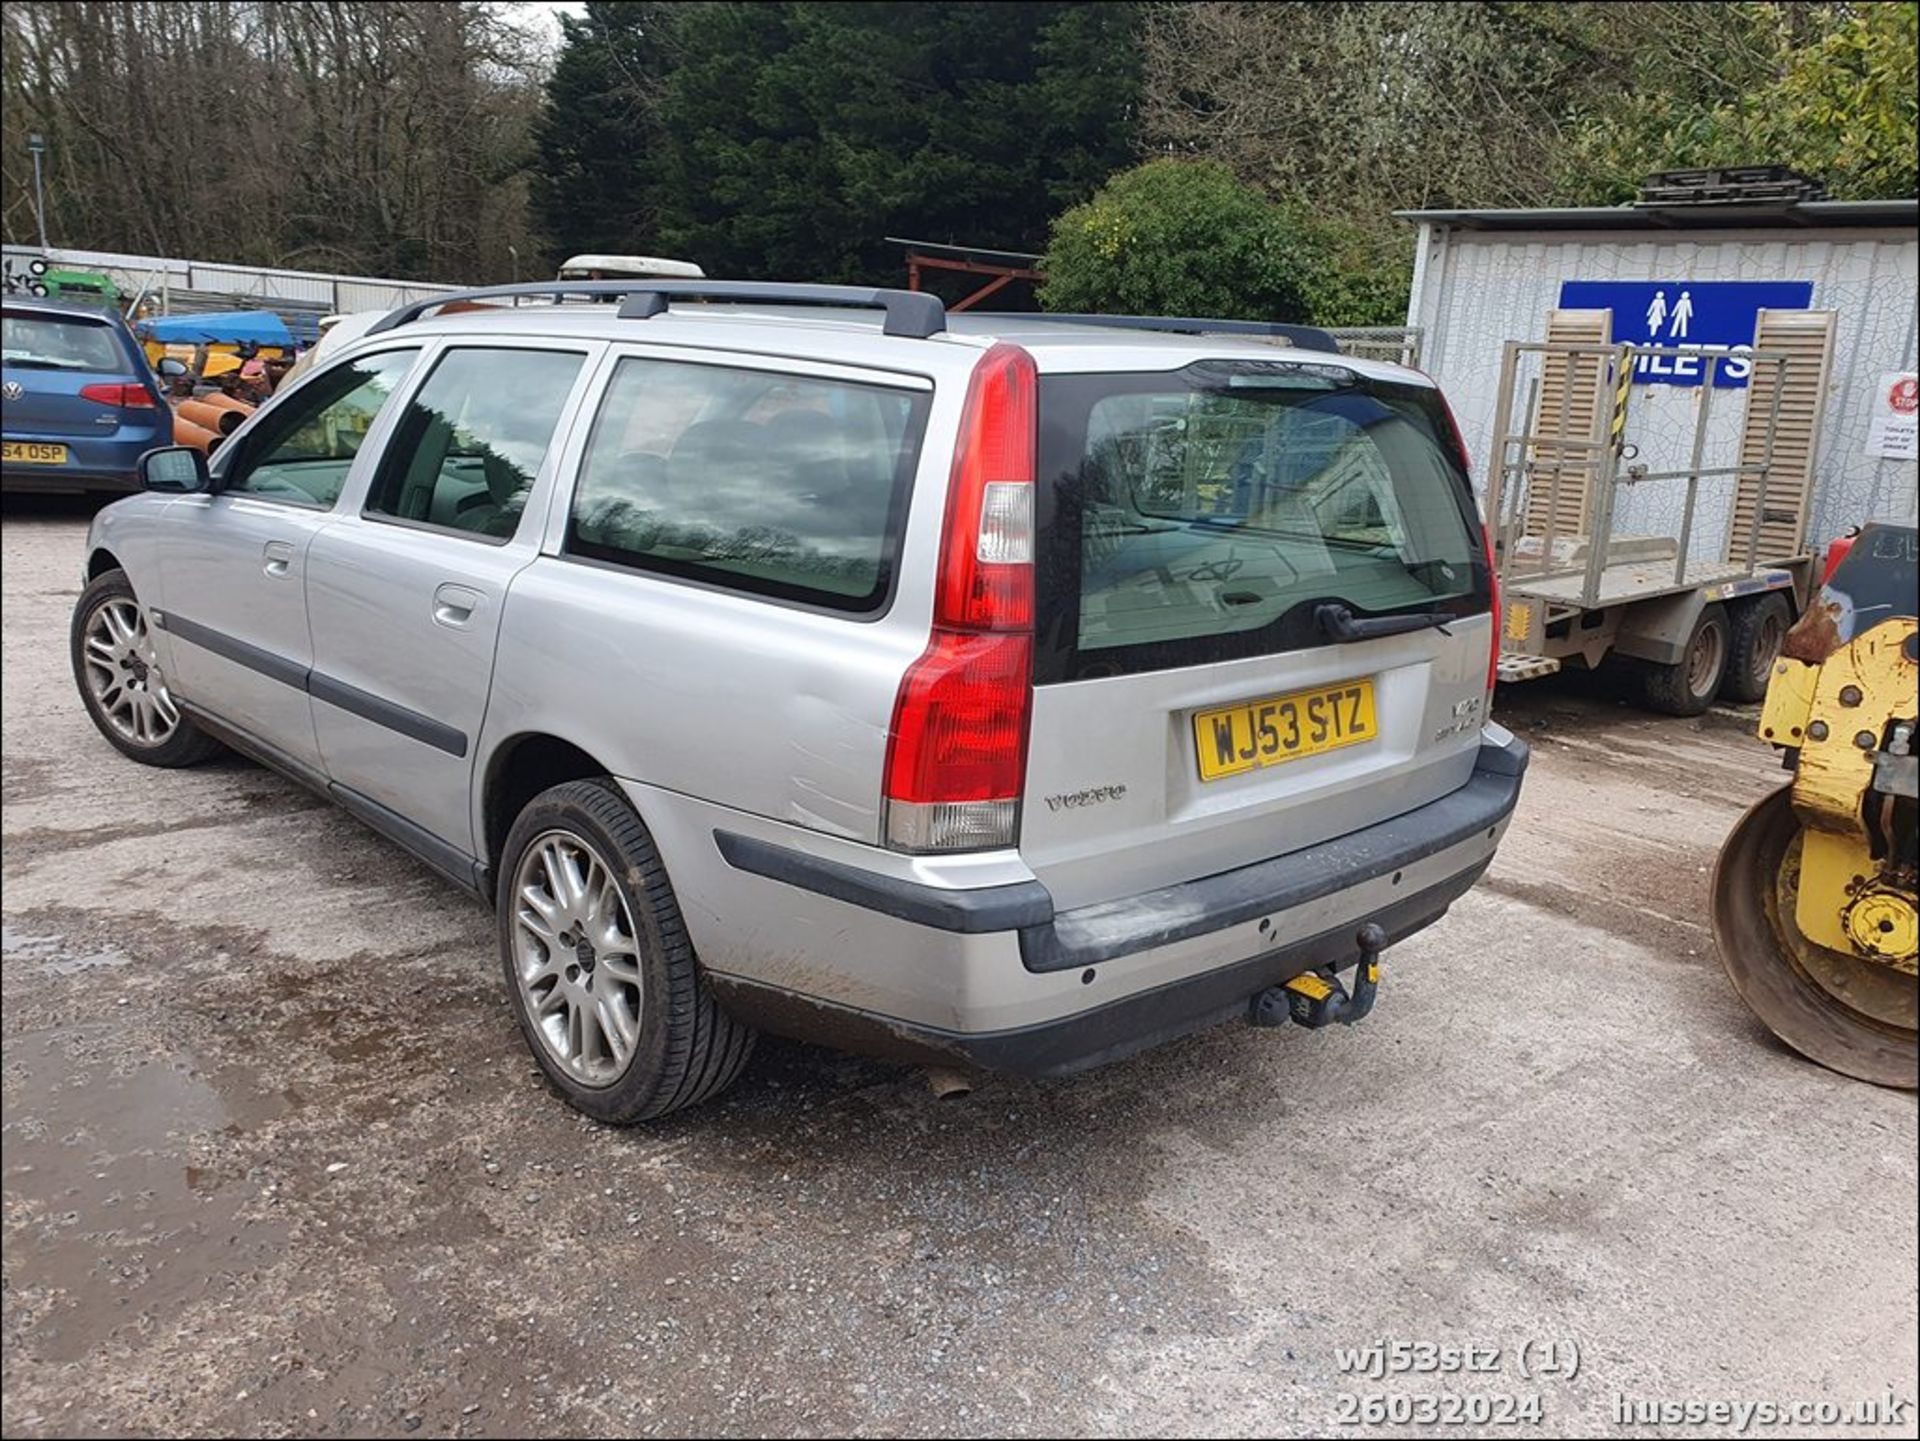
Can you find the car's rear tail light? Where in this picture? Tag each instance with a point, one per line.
(986, 550)
(105, 393)
(957, 753)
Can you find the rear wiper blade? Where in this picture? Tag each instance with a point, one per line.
(1339, 623)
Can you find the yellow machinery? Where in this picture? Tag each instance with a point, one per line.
(1814, 904)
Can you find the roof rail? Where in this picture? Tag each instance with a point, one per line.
(1302, 337)
(909, 313)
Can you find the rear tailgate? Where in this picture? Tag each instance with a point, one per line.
(51, 357)
(1195, 707)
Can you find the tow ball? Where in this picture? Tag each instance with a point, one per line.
(1316, 998)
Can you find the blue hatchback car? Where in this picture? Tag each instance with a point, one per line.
(81, 403)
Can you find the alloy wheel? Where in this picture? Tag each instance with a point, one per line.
(124, 676)
(576, 957)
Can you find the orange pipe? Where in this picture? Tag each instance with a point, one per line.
(185, 432)
(220, 419)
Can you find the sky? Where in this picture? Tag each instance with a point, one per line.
(545, 14)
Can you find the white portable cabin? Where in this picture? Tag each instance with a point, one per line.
(1483, 277)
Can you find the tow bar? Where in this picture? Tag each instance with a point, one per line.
(1316, 998)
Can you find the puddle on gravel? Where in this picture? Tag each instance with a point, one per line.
(117, 1211)
(53, 953)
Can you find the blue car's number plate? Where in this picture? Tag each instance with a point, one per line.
(28, 452)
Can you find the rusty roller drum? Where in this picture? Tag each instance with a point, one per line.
(1815, 911)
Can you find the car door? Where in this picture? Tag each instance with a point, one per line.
(233, 604)
(404, 593)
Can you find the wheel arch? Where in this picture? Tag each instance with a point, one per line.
(100, 561)
(1658, 630)
(516, 771)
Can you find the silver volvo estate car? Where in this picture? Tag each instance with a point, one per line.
(998, 692)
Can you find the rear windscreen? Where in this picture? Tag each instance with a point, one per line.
(1204, 514)
(45, 342)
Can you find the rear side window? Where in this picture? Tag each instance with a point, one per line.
(464, 455)
(782, 485)
(1203, 515)
(45, 342)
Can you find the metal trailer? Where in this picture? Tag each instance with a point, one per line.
(1696, 619)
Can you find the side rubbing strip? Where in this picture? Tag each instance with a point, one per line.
(989, 908)
(275, 667)
(410, 723)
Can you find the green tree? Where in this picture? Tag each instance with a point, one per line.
(1830, 90)
(1179, 237)
(1361, 108)
(1356, 274)
(798, 136)
(596, 187)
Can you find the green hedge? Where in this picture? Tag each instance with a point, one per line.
(1184, 237)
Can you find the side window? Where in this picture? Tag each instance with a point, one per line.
(465, 453)
(303, 448)
(783, 485)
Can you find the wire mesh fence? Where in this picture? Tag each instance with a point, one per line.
(1396, 344)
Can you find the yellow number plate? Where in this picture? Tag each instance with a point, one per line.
(29, 453)
(1234, 738)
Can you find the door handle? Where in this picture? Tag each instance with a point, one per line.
(454, 605)
(279, 556)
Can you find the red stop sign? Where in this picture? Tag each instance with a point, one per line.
(1905, 395)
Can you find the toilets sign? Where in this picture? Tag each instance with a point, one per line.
(1700, 315)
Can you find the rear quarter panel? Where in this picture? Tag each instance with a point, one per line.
(756, 706)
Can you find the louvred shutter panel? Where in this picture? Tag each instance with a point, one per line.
(1806, 338)
(1572, 408)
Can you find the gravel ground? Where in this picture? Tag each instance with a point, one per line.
(276, 1161)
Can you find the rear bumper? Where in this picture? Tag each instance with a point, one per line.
(65, 479)
(94, 462)
(1092, 1037)
(994, 976)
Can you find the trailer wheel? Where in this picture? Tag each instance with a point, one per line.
(1757, 628)
(1688, 686)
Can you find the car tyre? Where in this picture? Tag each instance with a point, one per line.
(1758, 626)
(1688, 686)
(122, 685)
(602, 976)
